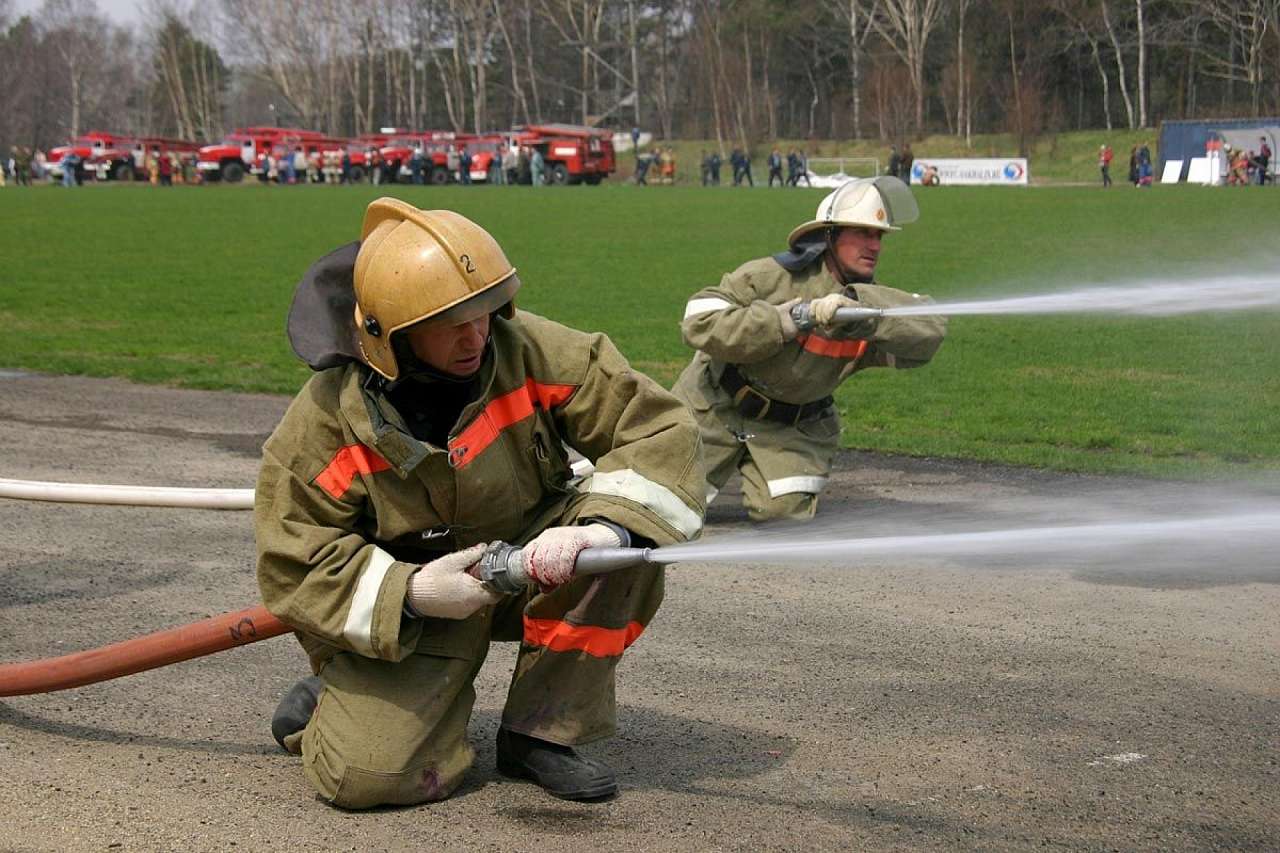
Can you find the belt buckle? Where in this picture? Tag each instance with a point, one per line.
(747, 391)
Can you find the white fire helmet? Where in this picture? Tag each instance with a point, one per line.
(885, 203)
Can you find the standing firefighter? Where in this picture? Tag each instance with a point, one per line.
(771, 350)
(438, 422)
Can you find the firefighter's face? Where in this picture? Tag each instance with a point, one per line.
(858, 250)
(456, 350)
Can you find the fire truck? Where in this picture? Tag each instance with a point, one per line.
(241, 151)
(111, 156)
(572, 153)
(435, 146)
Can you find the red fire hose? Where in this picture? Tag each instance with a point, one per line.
(215, 634)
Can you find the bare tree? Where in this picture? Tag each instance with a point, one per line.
(1247, 23)
(1120, 72)
(858, 17)
(906, 26)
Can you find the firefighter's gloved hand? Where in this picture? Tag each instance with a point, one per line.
(789, 328)
(824, 309)
(443, 588)
(549, 558)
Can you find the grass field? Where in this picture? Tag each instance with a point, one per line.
(190, 286)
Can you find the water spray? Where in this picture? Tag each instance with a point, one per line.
(1206, 539)
(1147, 299)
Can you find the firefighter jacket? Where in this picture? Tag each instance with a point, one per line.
(349, 503)
(736, 323)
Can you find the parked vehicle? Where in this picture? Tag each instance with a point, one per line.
(572, 153)
(232, 158)
(112, 156)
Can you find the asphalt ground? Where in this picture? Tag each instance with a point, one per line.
(912, 705)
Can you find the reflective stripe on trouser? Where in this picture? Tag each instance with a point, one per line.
(563, 686)
(395, 733)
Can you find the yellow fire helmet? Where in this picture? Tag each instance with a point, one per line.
(884, 203)
(417, 265)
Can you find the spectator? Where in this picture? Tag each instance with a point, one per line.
(1133, 165)
(39, 165)
(793, 168)
(374, 162)
(524, 166)
(775, 167)
(746, 169)
(1104, 163)
(668, 162)
(464, 166)
(803, 162)
(715, 168)
(706, 168)
(452, 163)
(415, 165)
(895, 162)
(301, 166)
(1264, 161)
(735, 160)
(643, 162)
(635, 140)
(165, 168)
(69, 163)
(345, 176)
(536, 165)
(908, 162)
(511, 164)
(1144, 166)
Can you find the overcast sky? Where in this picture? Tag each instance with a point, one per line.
(119, 11)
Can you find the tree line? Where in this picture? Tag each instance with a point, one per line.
(736, 71)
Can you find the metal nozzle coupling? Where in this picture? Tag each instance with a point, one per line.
(802, 315)
(502, 566)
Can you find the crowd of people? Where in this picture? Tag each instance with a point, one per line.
(660, 164)
(1246, 167)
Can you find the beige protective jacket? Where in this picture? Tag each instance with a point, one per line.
(736, 323)
(349, 503)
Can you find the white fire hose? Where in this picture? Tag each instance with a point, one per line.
(166, 496)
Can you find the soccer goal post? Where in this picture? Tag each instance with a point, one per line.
(853, 167)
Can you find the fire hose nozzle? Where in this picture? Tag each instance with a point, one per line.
(802, 315)
(502, 566)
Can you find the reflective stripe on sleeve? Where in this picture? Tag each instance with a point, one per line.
(657, 498)
(712, 491)
(358, 629)
(560, 636)
(704, 305)
(792, 485)
(342, 469)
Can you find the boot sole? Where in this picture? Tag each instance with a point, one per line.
(599, 791)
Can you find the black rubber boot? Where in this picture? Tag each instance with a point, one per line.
(558, 769)
(295, 709)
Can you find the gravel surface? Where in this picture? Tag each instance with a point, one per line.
(917, 705)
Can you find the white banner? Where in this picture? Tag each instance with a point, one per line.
(970, 171)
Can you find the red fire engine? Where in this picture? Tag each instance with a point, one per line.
(240, 152)
(572, 153)
(111, 156)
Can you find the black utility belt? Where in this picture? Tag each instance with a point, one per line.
(750, 403)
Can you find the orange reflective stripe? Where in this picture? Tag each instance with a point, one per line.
(560, 636)
(501, 413)
(832, 349)
(353, 459)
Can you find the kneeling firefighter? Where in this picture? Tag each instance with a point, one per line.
(772, 347)
(438, 422)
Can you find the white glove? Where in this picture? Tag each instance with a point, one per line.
(444, 589)
(824, 309)
(789, 330)
(549, 558)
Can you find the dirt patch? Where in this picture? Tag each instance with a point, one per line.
(904, 706)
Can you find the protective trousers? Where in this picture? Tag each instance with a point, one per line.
(395, 733)
(784, 467)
